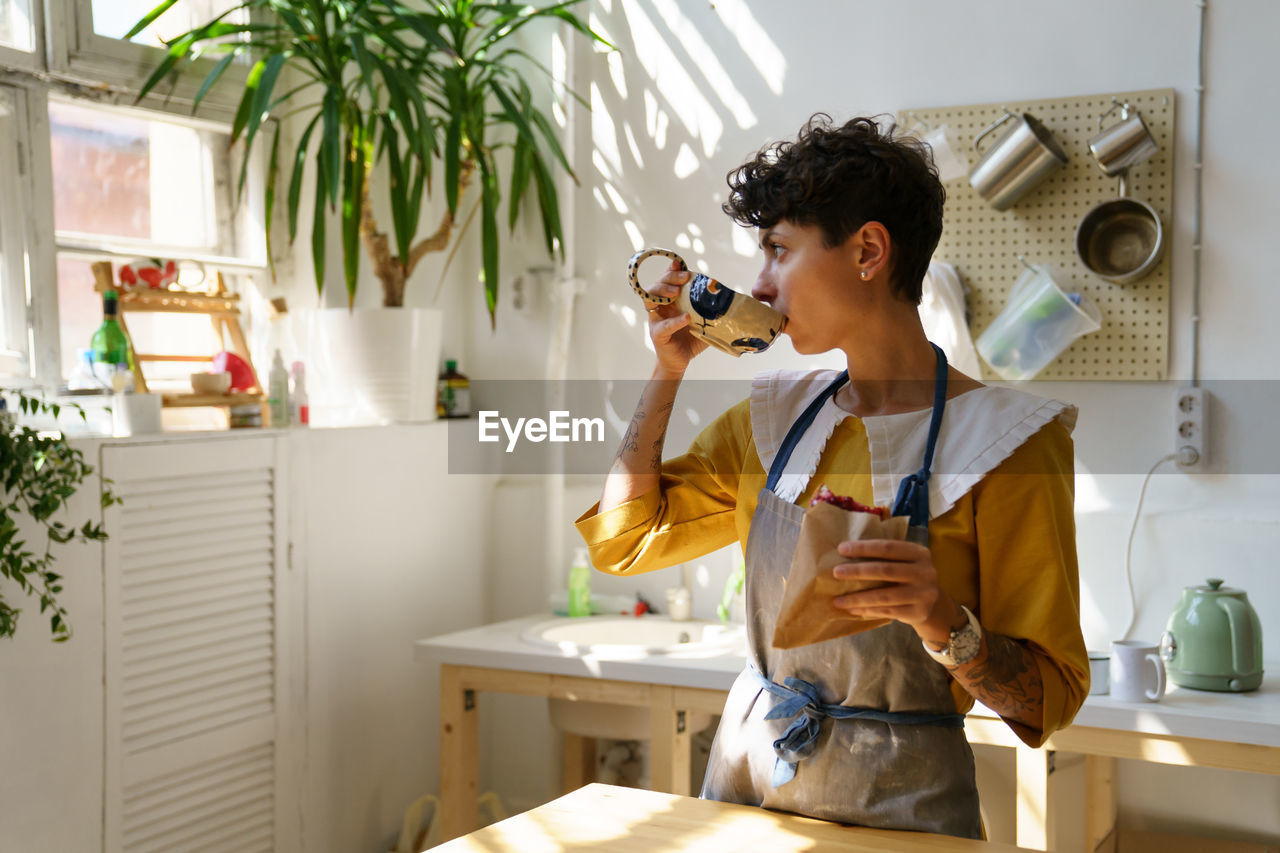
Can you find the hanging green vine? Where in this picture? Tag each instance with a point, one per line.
(41, 472)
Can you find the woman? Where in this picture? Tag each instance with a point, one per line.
(864, 729)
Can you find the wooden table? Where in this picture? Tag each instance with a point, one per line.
(1190, 728)
(606, 817)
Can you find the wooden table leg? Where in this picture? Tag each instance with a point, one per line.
(579, 761)
(459, 745)
(1035, 797)
(669, 744)
(1099, 803)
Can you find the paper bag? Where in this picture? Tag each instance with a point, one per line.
(807, 614)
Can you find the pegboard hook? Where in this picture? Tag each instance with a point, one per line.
(1116, 103)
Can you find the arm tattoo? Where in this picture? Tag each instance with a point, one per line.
(1007, 681)
(629, 444)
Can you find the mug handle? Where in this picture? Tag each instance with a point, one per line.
(1116, 104)
(1158, 693)
(1007, 115)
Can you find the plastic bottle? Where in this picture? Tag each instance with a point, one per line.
(278, 392)
(299, 403)
(580, 584)
(110, 344)
(82, 377)
(453, 392)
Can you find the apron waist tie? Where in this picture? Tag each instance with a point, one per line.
(800, 704)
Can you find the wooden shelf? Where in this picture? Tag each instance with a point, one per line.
(190, 400)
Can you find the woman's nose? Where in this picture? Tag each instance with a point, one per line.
(763, 289)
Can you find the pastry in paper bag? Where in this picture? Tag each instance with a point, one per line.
(807, 614)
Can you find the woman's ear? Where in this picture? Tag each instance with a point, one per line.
(870, 245)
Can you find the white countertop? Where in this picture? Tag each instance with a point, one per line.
(1248, 718)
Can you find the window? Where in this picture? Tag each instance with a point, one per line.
(16, 27)
(128, 184)
(13, 246)
(88, 42)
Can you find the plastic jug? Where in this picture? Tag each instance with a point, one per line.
(1038, 322)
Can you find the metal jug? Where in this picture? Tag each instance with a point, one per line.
(730, 321)
(1017, 162)
(1213, 640)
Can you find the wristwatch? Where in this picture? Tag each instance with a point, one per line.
(964, 645)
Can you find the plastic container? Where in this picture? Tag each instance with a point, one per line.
(580, 584)
(453, 392)
(1039, 321)
(299, 402)
(278, 392)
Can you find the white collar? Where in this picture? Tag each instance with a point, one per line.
(997, 420)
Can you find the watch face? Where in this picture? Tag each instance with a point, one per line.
(965, 644)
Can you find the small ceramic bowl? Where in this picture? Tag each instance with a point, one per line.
(211, 383)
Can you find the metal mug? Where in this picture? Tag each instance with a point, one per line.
(1017, 162)
(1125, 143)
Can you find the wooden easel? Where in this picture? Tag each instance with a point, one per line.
(223, 310)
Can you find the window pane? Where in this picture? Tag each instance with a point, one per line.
(116, 175)
(80, 314)
(15, 25)
(114, 18)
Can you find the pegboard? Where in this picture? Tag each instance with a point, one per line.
(984, 243)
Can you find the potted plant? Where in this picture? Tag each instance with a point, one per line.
(41, 472)
(431, 91)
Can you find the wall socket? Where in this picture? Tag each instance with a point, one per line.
(1191, 428)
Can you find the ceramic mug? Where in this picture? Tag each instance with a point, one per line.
(1099, 673)
(1137, 672)
(135, 414)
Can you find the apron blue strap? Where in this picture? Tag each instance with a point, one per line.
(802, 705)
(798, 428)
(913, 491)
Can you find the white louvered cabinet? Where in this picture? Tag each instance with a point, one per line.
(200, 656)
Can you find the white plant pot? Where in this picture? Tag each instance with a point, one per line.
(373, 365)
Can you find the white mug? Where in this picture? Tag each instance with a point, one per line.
(1137, 672)
(1099, 673)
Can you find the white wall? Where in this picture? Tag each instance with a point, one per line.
(699, 87)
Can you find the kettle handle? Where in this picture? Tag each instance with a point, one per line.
(633, 269)
(1242, 636)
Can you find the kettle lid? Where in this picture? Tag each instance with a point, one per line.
(1215, 585)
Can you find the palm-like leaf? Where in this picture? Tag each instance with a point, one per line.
(386, 81)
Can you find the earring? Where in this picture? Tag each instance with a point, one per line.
(864, 274)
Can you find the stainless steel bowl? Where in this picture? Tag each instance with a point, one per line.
(1120, 240)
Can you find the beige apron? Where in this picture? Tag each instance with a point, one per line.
(864, 730)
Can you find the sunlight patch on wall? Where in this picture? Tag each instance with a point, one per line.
(632, 145)
(686, 162)
(618, 204)
(599, 197)
(754, 41)
(604, 134)
(655, 120)
(674, 84)
(705, 58)
(633, 231)
(744, 241)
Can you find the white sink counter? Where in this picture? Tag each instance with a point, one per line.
(1247, 718)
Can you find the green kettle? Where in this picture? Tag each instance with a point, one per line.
(1213, 640)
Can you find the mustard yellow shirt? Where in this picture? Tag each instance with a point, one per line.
(1006, 549)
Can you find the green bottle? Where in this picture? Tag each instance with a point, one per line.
(110, 344)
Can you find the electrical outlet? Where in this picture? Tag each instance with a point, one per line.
(1191, 428)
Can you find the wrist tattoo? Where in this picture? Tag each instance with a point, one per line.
(1008, 680)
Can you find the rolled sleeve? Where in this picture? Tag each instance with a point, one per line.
(689, 514)
(1029, 585)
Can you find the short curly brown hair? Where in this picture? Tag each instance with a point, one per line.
(840, 178)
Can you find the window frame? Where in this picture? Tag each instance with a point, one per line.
(75, 52)
(32, 60)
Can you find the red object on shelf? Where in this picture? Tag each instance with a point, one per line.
(241, 372)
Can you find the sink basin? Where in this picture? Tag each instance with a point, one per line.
(628, 638)
(622, 637)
